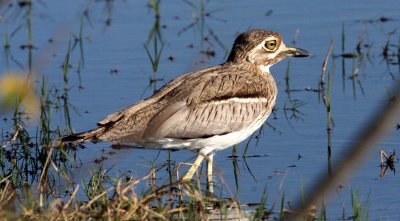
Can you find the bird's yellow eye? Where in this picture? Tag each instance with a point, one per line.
(270, 45)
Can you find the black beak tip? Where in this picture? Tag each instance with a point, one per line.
(301, 53)
(297, 52)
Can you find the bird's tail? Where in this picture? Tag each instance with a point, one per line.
(91, 135)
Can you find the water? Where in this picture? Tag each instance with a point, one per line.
(120, 46)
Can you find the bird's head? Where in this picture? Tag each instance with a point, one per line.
(262, 48)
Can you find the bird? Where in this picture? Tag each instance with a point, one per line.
(204, 111)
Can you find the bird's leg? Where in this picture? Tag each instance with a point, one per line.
(189, 174)
(210, 173)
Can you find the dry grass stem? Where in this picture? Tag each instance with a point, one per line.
(72, 197)
(325, 63)
(14, 137)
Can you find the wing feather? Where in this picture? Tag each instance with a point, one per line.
(206, 119)
(165, 121)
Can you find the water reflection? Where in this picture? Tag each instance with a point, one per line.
(200, 16)
(156, 43)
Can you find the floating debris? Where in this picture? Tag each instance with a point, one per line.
(388, 163)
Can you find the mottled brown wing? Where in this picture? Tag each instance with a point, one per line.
(205, 120)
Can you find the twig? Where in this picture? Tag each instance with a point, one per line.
(324, 64)
(40, 186)
(72, 197)
(96, 198)
(45, 165)
(14, 137)
(383, 154)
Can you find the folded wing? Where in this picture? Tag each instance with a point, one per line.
(206, 119)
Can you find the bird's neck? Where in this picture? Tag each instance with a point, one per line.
(261, 69)
(264, 68)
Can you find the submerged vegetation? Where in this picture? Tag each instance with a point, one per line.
(37, 179)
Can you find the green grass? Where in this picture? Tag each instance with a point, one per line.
(360, 210)
(260, 212)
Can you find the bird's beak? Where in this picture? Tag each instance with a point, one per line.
(296, 52)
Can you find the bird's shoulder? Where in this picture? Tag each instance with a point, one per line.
(224, 82)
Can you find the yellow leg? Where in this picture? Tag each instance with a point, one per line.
(210, 173)
(189, 174)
